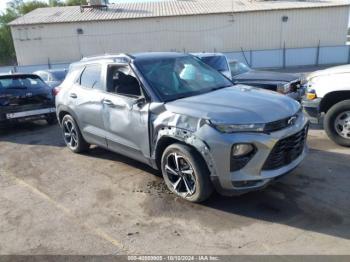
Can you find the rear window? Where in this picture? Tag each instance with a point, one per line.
(20, 82)
(217, 62)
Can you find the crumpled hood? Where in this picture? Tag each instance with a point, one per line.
(267, 76)
(238, 104)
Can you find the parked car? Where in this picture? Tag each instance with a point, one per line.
(52, 77)
(240, 73)
(179, 115)
(328, 95)
(25, 97)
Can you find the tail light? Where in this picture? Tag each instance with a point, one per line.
(56, 90)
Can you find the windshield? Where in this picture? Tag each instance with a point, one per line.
(217, 62)
(179, 77)
(59, 75)
(238, 68)
(20, 82)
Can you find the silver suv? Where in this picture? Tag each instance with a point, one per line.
(178, 115)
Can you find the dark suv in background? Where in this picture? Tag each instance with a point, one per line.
(25, 97)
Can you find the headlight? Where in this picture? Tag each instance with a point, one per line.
(283, 88)
(227, 128)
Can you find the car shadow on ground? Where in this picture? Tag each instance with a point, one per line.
(315, 197)
(311, 198)
(32, 133)
(98, 152)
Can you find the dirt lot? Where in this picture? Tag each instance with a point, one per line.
(55, 202)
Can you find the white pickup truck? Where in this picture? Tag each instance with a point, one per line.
(328, 95)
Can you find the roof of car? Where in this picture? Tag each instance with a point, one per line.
(207, 54)
(126, 58)
(156, 55)
(52, 70)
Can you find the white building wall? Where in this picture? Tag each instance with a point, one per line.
(259, 30)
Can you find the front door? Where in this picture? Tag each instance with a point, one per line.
(125, 114)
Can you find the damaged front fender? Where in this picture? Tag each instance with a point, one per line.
(177, 127)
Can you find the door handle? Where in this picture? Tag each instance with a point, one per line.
(107, 102)
(73, 95)
(112, 104)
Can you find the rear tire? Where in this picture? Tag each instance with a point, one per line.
(186, 173)
(72, 135)
(337, 123)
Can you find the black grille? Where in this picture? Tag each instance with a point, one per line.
(286, 150)
(281, 124)
(277, 125)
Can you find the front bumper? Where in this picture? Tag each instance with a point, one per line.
(312, 109)
(252, 176)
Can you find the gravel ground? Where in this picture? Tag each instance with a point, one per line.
(55, 202)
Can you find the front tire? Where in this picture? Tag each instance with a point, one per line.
(72, 135)
(186, 173)
(337, 123)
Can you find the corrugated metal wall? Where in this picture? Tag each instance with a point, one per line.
(223, 33)
(276, 58)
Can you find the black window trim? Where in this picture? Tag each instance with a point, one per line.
(133, 73)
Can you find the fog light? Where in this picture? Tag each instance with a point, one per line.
(240, 150)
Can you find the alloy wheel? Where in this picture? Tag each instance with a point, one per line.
(180, 174)
(342, 124)
(70, 134)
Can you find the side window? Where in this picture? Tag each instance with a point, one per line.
(122, 82)
(91, 77)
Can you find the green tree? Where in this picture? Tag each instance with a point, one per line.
(76, 2)
(27, 7)
(55, 3)
(15, 9)
(7, 50)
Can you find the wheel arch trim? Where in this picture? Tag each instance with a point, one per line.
(332, 98)
(170, 135)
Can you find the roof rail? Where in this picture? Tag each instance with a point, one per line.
(125, 57)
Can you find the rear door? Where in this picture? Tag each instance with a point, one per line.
(86, 99)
